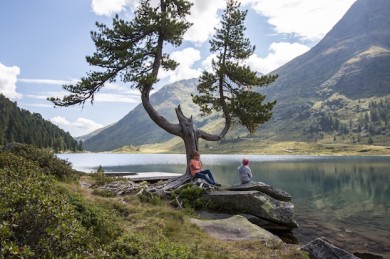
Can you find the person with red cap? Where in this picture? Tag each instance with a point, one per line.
(245, 172)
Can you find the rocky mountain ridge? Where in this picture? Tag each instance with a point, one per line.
(338, 91)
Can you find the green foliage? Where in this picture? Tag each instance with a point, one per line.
(229, 87)
(132, 50)
(101, 178)
(103, 192)
(45, 159)
(151, 199)
(191, 197)
(41, 219)
(137, 246)
(19, 125)
(98, 220)
(36, 216)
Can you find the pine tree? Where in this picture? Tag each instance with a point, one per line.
(132, 51)
(228, 88)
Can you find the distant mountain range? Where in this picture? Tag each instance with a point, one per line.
(136, 128)
(337, 91)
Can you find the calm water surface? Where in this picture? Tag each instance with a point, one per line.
(344, 199)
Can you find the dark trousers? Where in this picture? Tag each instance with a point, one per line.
(206, 175)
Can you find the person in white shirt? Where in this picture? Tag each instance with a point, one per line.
(245, 172)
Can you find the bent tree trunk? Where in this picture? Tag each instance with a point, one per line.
(185, 130)
(188, 134)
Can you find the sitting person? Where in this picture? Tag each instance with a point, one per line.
(245, 172)
(197, 170)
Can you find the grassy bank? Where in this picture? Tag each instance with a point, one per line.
(251, 146)
(45, 212)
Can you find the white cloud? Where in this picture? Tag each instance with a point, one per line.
(208, 62)
(111, 7)
(8, 79)
(117, 98)
(47, 81)
(309, 19)
(186, 57)
(279, 54)
(60, 121)
(87, 124)
(204, 18)
(79, 127)
(203, 15)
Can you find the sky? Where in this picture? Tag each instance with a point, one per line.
(43, 45)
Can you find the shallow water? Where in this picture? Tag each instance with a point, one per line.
(344, 199)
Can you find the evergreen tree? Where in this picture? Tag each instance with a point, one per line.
(132, 51)
(19, 125)
(228, 88)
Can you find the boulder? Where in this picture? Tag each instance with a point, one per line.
(236, 228)
(268, 225)
(319, 249)
(255, 203)
(264, 188)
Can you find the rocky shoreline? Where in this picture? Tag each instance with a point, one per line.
(253, 211)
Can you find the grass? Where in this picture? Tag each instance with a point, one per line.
(164, 224)
(252, 146)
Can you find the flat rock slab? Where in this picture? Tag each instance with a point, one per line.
(255, 203)
(319, 248)
(235, 228)
(262, 187)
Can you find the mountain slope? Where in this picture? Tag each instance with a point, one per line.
(338, 90)
(351, 62)
(137, 128)
(19, 125)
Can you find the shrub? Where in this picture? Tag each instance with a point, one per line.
(103, 193)
(36, 216)
(101, 178)
(45, 159)
(151, 198)
(137, 246)
(191, 197)
(98, 220)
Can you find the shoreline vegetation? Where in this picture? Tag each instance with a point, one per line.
(61, 215)
(266, 148)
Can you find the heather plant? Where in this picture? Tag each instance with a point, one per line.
(37, 217)
(45, 159)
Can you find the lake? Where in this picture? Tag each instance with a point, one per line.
(344, 199)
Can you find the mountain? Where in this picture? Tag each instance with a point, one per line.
(339, 79)
(91, 134)
(337, 91)
(136, 128)
(19, 125)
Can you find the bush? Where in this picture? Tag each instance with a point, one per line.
(150, 198)
(101, 178)
(136, 246)
(191, 197)
(37, 218)
(45, 159)
(97, 220)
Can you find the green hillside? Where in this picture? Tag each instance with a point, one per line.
(19, 125)
(340, 89)
(336, 93)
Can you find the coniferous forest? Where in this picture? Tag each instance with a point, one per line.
(19, 125)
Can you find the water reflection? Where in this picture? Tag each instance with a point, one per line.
(344, 199)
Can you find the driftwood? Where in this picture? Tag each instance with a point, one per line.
(176, 183)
